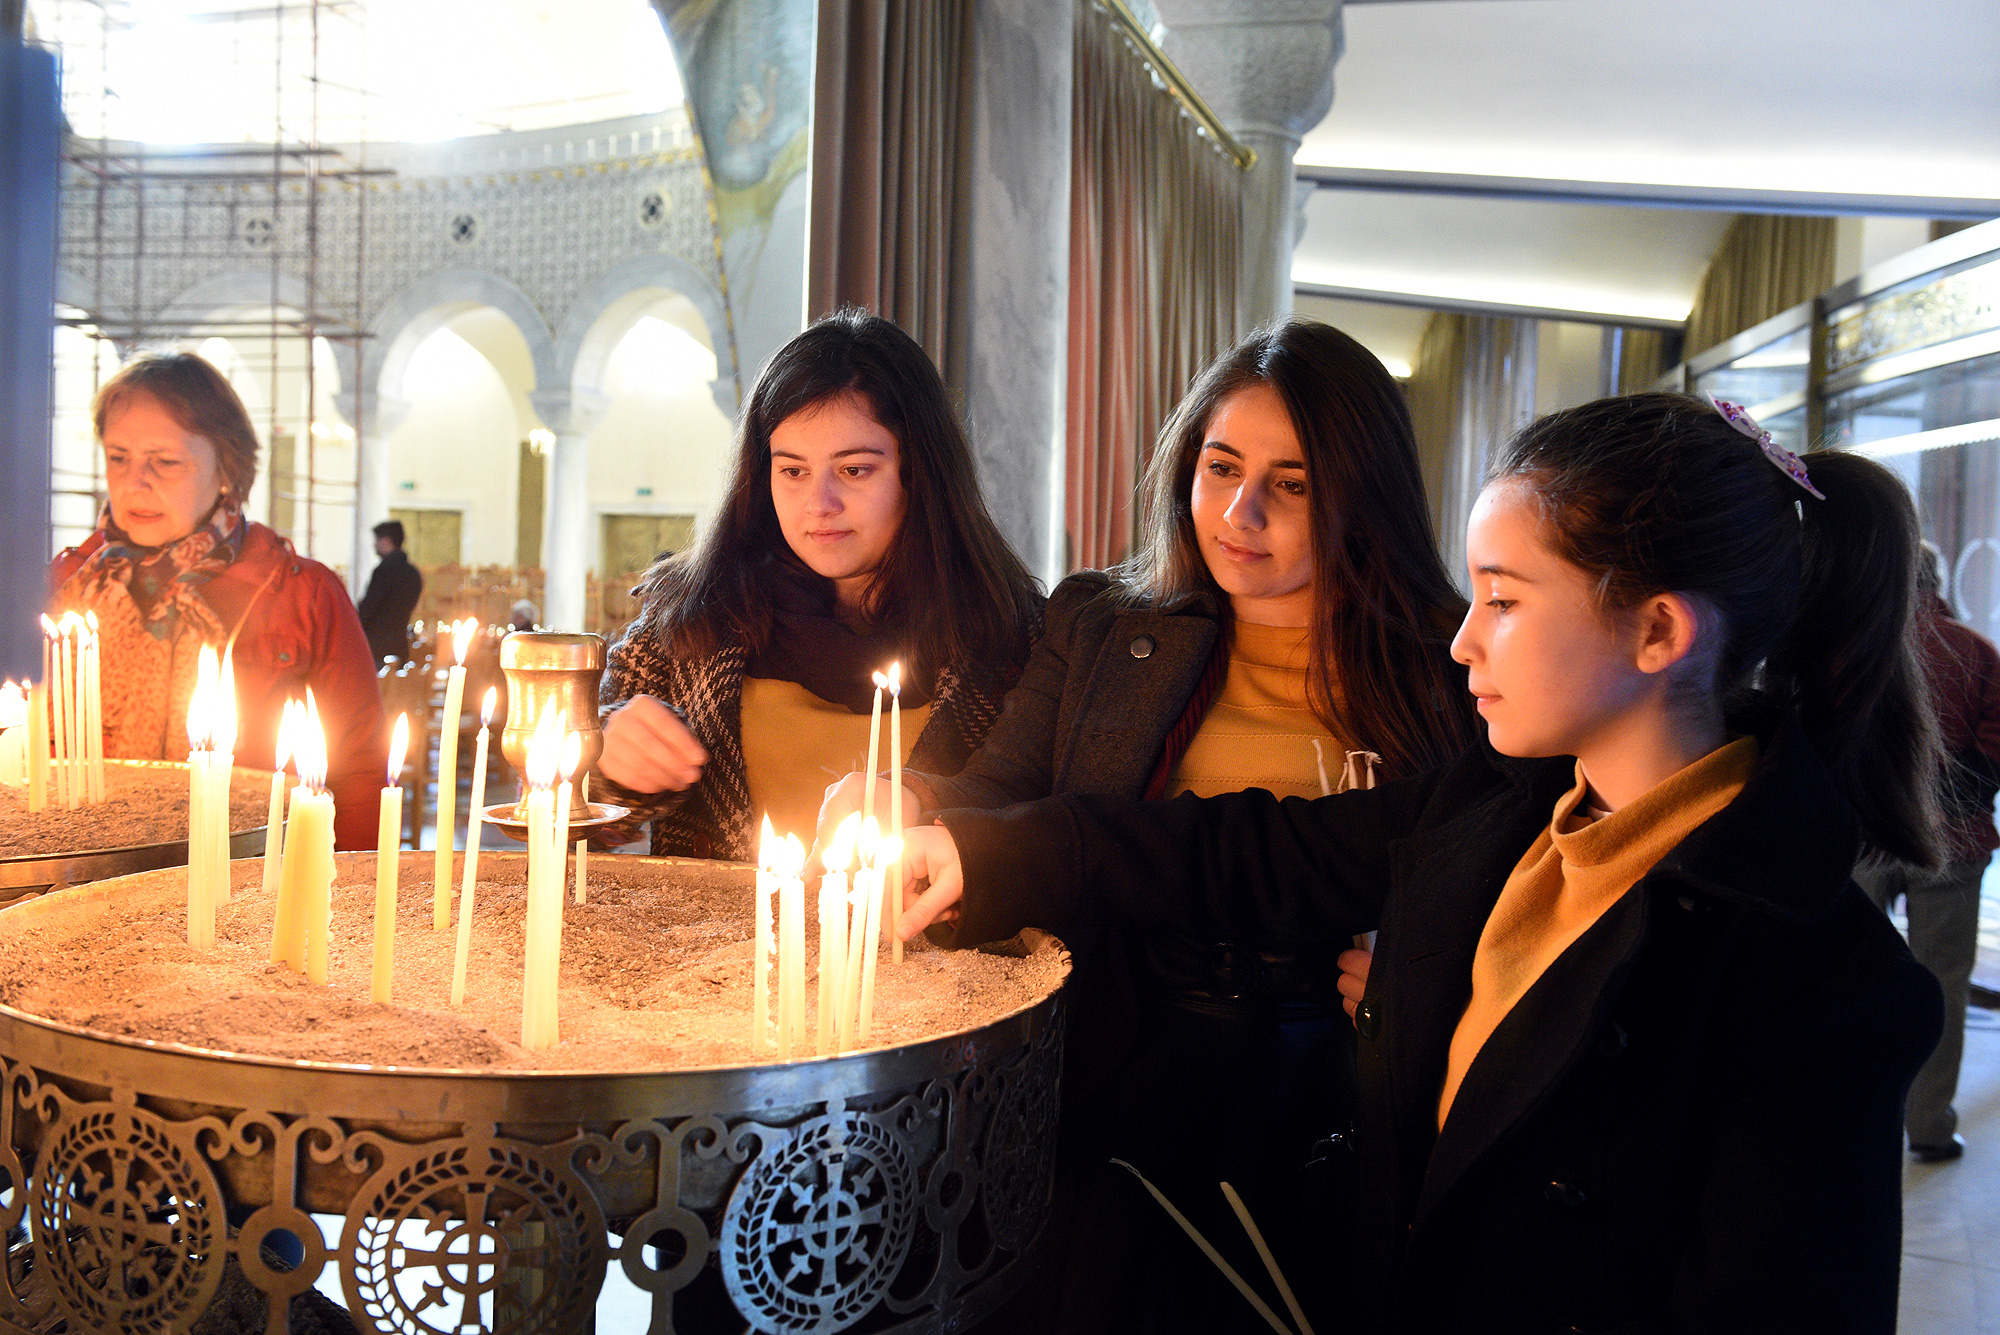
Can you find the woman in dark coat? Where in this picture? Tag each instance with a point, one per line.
(1286, 608)
(1684, 1112)
(852, 535)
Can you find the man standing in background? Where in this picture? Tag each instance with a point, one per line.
(392, 595)
(1943, 906)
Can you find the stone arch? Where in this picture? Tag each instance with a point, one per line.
(607, 308)
(419, 310)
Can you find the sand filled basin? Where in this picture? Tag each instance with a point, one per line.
(145, 802)
(656, 972)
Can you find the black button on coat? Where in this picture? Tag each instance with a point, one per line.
(1691, 1123)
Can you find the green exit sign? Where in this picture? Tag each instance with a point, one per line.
(645, 491)
(406, 486)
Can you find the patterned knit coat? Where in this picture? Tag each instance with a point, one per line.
(714, 818)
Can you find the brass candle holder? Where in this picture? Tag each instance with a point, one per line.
(553, 670)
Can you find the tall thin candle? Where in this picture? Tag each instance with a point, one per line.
(447, 803)
(221, 765)
(93, 713)
(874, 749)
(583, 845)
(791, 950)
(888, 854)
(38, 746)
(56, 674)
(309, 845)
(893, 873)
(545, 860)
(761, 1037)
(274, 823)
(388, 848)
(833, 927)
(475, 819)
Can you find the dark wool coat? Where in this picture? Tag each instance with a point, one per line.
(1161, 1022)
(714, 819)
(1691, 1123)
(394, 588)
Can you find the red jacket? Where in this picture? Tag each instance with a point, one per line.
(1964, 670)
(302, 632)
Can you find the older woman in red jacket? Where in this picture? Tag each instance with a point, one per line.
(174, 565)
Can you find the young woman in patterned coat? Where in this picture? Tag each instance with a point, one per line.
(852, 535)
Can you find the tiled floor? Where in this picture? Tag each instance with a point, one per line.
(1951, 1212)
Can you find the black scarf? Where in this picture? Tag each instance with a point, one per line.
(811, 645)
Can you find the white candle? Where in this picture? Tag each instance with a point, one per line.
(447, 803)
(38, 746)
(893, 877)
(832, 955)
(791, 950)
(13, 735)
(93, 715)
(761, 1037)
(545, 870)
(868, 891)
(583, 845)
(836, 990)
(874, 749)
(388, 847)
(888, 854)
(475, 820)
(274, 823)
(309, 845)
(57, 677)
(221, 765)
(203, 725)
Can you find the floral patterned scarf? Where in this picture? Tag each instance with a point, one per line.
(153, 621)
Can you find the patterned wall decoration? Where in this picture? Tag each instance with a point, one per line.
(146, 244)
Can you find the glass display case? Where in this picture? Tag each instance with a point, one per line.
(1767, 369)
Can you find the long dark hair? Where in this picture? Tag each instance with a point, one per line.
(950, 585)
(1656, 493)
(1380, 673)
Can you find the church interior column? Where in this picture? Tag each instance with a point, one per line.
(570, 414)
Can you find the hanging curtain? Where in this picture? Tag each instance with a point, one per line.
(889, 167)
(1471, 386)
(1152, 276)
(1764, 265)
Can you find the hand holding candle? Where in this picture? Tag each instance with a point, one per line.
(388, 847)
(475, 817)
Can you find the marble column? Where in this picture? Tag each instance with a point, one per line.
(566, 513)
(1266, 69)
(374, 417)
(29, 153)
(1016, 298)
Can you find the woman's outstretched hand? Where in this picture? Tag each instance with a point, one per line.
(1354, 977)
(929, 854)
(647, 749)
(843, 799)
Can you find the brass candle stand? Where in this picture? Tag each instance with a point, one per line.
(553, 670)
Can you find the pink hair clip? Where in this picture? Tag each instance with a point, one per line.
(1790, 464)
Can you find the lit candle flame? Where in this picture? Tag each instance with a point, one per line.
(840, 852)
(309, 747)
(572, 754)
(486, 708)
(767, 847)
(896, 679)
(201, 705)
(795, 858)
(888, 851)
(461, 638)
(48, 626)
(222, 706)
(90, 620)
(881, 682)
(866, 842)
(288, 723)
(545, 749)
(398, 745)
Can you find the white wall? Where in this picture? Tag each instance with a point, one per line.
(459, 447)
(662, 432)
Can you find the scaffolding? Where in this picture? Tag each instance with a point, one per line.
(138, 219)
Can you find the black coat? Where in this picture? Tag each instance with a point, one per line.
(1692, 1122)
(392, 594)
(1161, 1020)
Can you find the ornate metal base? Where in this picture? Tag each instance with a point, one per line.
(892, 1190)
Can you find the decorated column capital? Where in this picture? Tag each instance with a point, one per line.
(569, 412)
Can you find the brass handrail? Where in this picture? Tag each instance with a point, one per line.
(1169, 74)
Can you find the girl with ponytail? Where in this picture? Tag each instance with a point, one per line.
(1634, 1047)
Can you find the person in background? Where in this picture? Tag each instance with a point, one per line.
(523, 615)
(852, 534)
(392, 594)
(1943, 906)
(174, 565)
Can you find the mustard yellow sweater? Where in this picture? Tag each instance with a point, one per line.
(1581, 865)
(1259, 733)
(795, 744)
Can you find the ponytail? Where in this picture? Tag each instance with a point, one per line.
(1849, 660)
(1655, 493)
